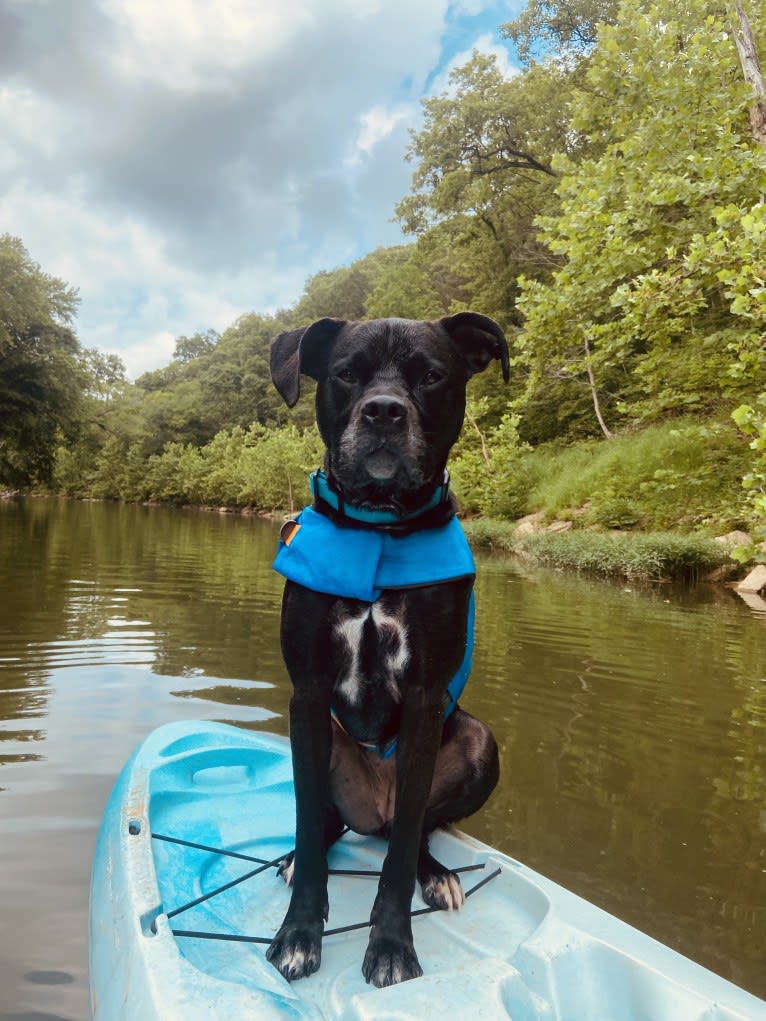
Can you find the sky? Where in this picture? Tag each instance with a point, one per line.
(182, 162)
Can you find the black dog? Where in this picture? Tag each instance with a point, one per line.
(375, 746)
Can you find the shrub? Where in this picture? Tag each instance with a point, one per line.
(488, 470)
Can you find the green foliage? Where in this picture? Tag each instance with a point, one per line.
(661, 230)
(482, 176)
(567, 27)
(419, 286)
(751, 419)
(260, 468)
(481, 137)
(343, 293)
(488, 472)
(189, 348)
(638, 556)
(41, 374)
(682, 474)
(213, 383)
(276, 468)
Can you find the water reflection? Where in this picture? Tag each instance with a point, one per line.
(91, 586)
(632, 722)
(633, 739)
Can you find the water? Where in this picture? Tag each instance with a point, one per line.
(631, 722)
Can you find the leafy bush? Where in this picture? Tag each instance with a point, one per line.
(276, 466)
(752, 421)
(261, 468)
(488, 471)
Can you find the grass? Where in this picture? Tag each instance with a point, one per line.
(643, 505)
(634, 555)
(649, 555)
(684, 476)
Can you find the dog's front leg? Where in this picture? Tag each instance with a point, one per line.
(296, 950)
(390, 956)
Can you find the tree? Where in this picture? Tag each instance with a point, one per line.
(41, 373)
(483, 175)
(342, 293)
(565, 27)
(661, 231)
(479, 138)
(423, 285)
(751, 68)
(189, 348)
(105, 374)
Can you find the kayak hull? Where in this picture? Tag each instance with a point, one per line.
(522, 947)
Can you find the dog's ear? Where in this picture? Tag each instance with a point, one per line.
(284, 362)
(480, 340)
(301, 351)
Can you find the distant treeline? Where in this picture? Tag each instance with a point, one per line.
(605, 205)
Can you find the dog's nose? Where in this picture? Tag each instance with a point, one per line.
(383, 411)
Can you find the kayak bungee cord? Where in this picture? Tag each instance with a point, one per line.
(263, 865)
(373, 873)
(226, 886)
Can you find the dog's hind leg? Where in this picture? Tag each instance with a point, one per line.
(467, 770)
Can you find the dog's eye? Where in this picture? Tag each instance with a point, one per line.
(431, 377)
(346, 376)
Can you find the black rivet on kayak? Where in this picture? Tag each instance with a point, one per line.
(134, 827)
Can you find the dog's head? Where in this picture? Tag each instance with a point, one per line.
(390, 396)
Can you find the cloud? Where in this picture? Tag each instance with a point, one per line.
(186, 161)
(378, 123)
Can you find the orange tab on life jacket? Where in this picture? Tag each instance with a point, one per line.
(288, 531)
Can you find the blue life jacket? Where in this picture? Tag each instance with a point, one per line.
(360, 563)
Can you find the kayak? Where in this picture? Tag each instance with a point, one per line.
(185, 899)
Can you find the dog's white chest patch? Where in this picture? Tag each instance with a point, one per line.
(377, 649)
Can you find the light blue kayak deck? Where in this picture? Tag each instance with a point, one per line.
(521, 948)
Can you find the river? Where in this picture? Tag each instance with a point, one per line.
(631, 723)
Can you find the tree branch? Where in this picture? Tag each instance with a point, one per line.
(751, 68)
(594, 393)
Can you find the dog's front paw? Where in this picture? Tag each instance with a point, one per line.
(390, 960)
(296, 950)
(443, 890)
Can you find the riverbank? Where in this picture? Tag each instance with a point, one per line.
(650, 556)
(665, 502)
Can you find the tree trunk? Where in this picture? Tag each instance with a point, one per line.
(475, 425)
(594, 392)
(751, 68)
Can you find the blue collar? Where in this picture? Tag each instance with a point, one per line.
(323, 490)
